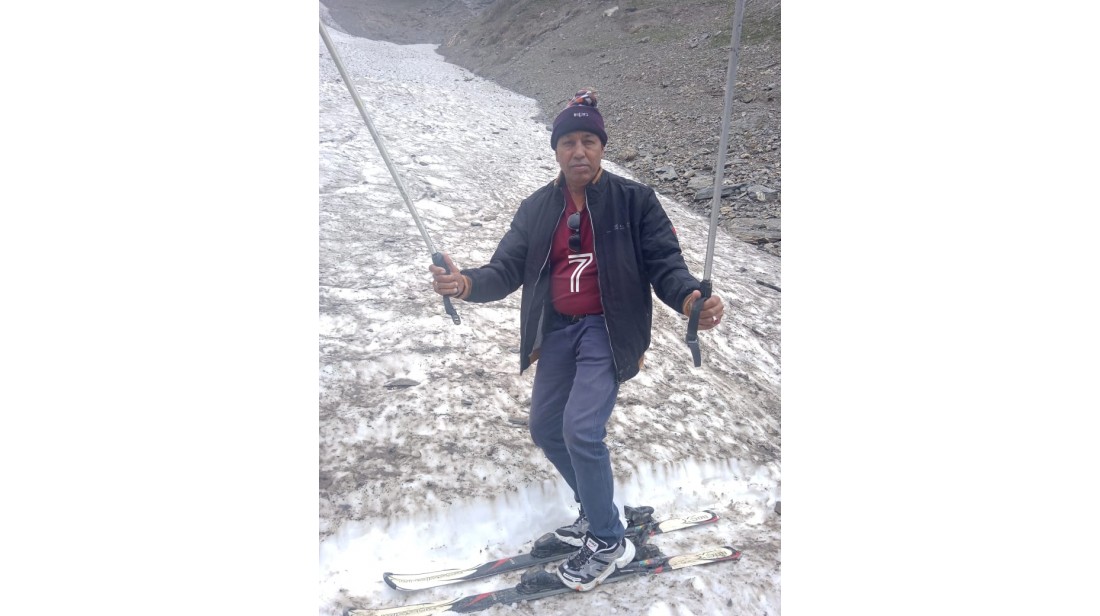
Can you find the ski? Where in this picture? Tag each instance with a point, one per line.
(537, 584)
(547, 548)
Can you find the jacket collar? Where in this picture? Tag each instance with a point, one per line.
(560, 180)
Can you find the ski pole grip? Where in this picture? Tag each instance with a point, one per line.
(437, 258)
(692, 337)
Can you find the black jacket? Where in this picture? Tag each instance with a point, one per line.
(635, 247)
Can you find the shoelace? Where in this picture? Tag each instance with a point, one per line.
(581, 558)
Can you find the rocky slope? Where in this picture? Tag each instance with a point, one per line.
(660, 69)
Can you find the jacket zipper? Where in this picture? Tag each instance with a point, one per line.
(551, 248)
(545, 261)
(592, 222)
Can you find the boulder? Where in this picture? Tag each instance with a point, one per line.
(727, 191)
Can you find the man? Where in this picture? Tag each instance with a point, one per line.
(586, 248)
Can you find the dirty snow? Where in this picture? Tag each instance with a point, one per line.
(161, 391)
(442, 473)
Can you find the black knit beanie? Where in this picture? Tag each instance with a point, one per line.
(579, 114)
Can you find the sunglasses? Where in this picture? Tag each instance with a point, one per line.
(574, 223)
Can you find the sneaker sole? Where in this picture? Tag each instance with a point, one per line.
(622, 561)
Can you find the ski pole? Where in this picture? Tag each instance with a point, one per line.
(692, 337)
(437, 257)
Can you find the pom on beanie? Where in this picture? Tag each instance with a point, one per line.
(579, 114)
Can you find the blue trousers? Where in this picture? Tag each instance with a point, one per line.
(572, 399)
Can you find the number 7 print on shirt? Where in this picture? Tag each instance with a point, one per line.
(582, 260)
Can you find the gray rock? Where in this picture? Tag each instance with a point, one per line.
(666, 173)
(727, 191)
(757, 237)
(401, 384)
(749, 224)
(762, 193)
(751, 121)
(700, 182)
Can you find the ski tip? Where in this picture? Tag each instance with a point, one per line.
(387, 577)
(703, 516)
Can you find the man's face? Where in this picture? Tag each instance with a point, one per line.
(579, 154)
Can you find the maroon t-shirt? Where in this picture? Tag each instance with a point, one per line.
(574, 285)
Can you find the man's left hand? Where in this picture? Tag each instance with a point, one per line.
(711, 314)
